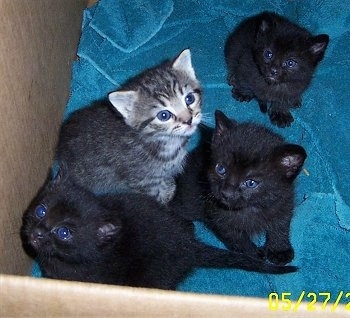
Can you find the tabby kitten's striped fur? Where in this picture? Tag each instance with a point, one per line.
(141, 147)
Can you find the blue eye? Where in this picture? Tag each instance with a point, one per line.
(63, 233)
(40, 211)
(251, 183)
(268, 54)
(189, 99)
(220, 170)
(164, 115)
(290, 63)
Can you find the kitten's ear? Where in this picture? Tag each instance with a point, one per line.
(222, 123)
(290, 159)
(123, 102)
(57, 175)
(109, 232)
(318, 46)
(266, 22)
(264, 26)
(183, 63)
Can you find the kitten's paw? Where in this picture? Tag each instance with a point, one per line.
(280, 257)
(297, 104)
(231, 80)
(164, 192)
(262, 106)
(281, 119)
(238, 95)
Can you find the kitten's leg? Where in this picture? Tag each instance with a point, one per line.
(278, 248)
(296, 103)
(263, 106)
(231, 80)
(241, 242)
(233, 239)
(242, 95)
(163, 191)
(238, 92)
(280, 115)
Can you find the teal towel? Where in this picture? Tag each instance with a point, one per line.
(138, 21)
(120, 39)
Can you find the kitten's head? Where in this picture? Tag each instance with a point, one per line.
(287, 53)
(251, 166)
(66, 223)
(164, 100)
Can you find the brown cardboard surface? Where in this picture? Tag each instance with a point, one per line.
(37, 47)
(38, 43)
(48, 298)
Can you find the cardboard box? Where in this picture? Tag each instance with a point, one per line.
(38, 43)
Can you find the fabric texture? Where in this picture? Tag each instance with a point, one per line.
(121, 38)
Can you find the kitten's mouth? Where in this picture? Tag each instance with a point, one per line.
(271, 80)
(227, 205)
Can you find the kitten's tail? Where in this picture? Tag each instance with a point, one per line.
(209, 256)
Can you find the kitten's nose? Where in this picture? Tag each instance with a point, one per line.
(229, 193)
(273, 71)
(188, 122)
(36, 236)
(226, 194)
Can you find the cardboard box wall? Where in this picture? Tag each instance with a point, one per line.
(37, 47)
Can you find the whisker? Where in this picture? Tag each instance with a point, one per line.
(207, 118)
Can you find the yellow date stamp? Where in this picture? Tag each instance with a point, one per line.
(312, 301)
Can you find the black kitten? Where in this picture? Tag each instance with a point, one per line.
(273, 60)
(126, 240)
(244, 186)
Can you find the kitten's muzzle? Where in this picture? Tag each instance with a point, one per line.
(36, 237)
(230, 199)
(272, 75)
(188, 122)
(273, 72)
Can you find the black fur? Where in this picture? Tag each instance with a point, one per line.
(126, 240)
(241, 185)
(272, 60)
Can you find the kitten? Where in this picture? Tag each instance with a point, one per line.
(129, 239)
(244, 182)
(141, 146)
(273, 60)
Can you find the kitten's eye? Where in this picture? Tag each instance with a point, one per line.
(220, 170)
(189, 99)
(251, 183)
(63, 233)
(164, 115)
(290, 63)
(268, 54)
(40, 211)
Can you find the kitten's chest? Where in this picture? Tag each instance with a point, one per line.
(249, 220)
(172, 149)
(168, 154)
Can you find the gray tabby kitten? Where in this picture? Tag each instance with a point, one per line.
(141, 146)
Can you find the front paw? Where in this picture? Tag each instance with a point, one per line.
(297, 104)
(238, 95)
(281, 119)
(231, 80)
(262, 106)
(280, 257)
(164, 191)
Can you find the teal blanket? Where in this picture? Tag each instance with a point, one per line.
(121, 38)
